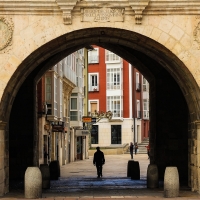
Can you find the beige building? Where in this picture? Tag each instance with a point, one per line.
(57, 113)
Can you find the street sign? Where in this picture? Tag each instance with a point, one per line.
(87, 119)
(93, 120)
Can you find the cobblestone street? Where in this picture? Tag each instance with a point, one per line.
(79, 180)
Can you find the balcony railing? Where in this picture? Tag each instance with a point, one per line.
(93, 88)
(112, 58)
(145, 114)
(93, 59)
(138, 86)
(139, 114)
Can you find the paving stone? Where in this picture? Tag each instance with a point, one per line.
(78, 181)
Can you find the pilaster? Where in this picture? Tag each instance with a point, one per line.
(4, 177)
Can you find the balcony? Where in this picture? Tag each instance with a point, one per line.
(138, 86)
(145, 114)
(93, 59)
(93, 88)
(139, 114)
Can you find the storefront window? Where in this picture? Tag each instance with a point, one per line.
(94, 134)
(116, 134)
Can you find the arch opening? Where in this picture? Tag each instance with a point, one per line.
(174, 96)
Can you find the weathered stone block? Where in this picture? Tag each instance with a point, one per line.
(152, 176)
(171, 182)
(33, 183)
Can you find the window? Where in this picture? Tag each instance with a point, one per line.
(113, 78)
(93, 107)
(48, 93)
(61, 99)
(145, 85)
(74, 107)
(114, 105)
(138, 86)
(94, 134)
(74, 115)
(93, 82)
(138, 109)
(116, 134)
(69, 61)
(55, 96)
(111, 57)
(93, 56)
(145, 108)
(73, 103)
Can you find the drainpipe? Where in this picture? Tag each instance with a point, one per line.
(134, 105)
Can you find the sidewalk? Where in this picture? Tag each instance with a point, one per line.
(79, 180)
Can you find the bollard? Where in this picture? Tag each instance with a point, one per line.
(33, 183)
(152, 176)
(171, 182)
(44, 168)
(129, 168)
(133, 170)
(54, 168)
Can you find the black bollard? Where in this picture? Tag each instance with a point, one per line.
(54, 168)
(133, 170)
(44, 168)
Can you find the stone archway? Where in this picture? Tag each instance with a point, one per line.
(157, 63)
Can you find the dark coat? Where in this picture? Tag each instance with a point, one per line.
(98, 158)
(131, 148)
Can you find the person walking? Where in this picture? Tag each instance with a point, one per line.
(148, 150)
(99, 160)
(136, 148)
(131, 149)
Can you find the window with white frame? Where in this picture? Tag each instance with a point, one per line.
(93, 82)
(112, 57)
(137, 81)
(61, 99)
(69, 61)
(116, 134)
(73, 103)
(93, 107)
(145, 85)
(146, 108)
(73, 109)
(55, 96)
(114, 105)
(138, 109)
(113, 78)
(48, 92)
(94, 134)
(93, 56)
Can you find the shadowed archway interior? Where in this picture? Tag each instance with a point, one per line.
(173, 96)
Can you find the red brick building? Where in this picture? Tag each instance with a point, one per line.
(117, 86)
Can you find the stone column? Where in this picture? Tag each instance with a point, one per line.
(171, 182)
(4, 160)
(152, 176)
(33, 183)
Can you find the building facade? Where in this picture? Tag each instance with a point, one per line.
(60, 96)
(116, 86)
(163, 36)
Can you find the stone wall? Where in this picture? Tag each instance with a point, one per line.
(32, 41)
